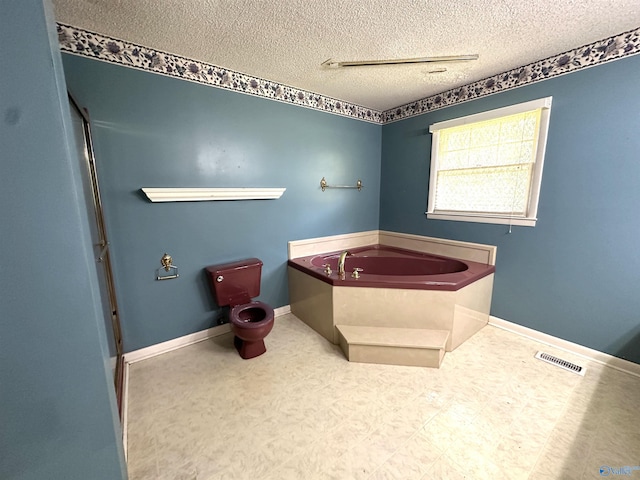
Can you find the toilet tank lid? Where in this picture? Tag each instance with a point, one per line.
(249, 262)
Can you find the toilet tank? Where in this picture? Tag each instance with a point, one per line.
(235, 283)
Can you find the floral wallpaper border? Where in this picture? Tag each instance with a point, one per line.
(612, 48)
(89, 44)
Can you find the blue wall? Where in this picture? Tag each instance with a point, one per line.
(576, 274)
(571, 276)
(155, 131)
(58, 416)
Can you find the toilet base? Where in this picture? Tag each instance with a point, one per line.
(248, 349)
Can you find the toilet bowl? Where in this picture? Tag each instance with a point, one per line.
(250, 323)
(235, 284)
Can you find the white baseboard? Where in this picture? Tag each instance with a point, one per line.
(284, 310)
(168, 346)
(585, 352)
(164, 347)
(125, 408)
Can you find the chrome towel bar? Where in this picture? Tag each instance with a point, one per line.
(324, 185)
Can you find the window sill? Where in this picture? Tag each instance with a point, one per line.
(518, 221)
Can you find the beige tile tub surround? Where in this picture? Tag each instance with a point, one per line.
(462, 313)
(304, 412)
(475, 252)
(312, 246)
(314, 301)
(323, 307)
(393, 346)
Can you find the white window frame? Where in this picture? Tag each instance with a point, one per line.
(530, 217)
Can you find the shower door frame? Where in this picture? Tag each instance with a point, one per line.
(103, 257)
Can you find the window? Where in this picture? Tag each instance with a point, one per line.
(488, 167)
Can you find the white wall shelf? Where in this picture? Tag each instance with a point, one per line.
(210, 194)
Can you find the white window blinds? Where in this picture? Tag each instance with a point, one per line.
(488, 166)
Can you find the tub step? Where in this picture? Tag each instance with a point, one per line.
(393, 346)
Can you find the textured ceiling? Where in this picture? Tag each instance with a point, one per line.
(286, 41)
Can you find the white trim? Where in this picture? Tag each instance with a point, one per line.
(541, 148)
(544, 103)
(125, 408)
(168, 346)
(280, 311)
(584, 352)
(208, 194)
(480, 218)
(186, 340)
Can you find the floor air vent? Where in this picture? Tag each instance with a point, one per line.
(572, 367)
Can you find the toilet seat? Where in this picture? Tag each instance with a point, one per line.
(250, 323)
(243, 321)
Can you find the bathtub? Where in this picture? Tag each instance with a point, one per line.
(381, 266)
(396, 288)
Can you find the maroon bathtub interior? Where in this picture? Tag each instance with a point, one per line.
(390, 267)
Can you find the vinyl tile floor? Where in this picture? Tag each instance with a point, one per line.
(302, 411)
